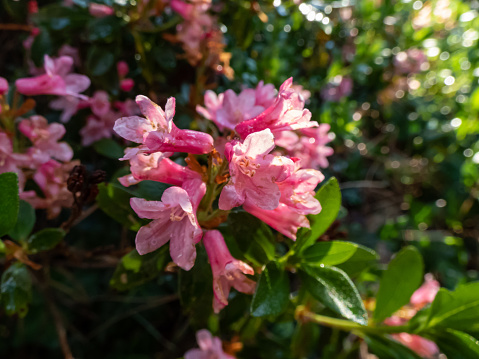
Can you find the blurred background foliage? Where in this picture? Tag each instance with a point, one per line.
(406, 157)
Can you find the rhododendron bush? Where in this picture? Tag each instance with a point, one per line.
(208, 179)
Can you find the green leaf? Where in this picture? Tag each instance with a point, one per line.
(329, 253)
(385, 348)
(362, 259)
(108, 148)
(115, 202)
(456, 344)
(16, 289)
(25, 222)
(42, 45)
(402, 277)
(103, 28)
(8, 202)
(45, 239)
(272, 292)
(332, 287)
(329, 195)
(252, 237)
(134, 269)
(457, 310)
(99, 60)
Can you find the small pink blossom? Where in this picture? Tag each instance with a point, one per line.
(100, 103)
(213, 103)
(156, 167)
(210, 347)
(127, 85)
(122, 68)
(426, 293)
(56, 81)
(100, 10)
(282, 218)
(158, 132)
(265, 94)
(174, 220)
(237, 108)
(312, 149)
(10, 161)
(98, 127)
(227, 271)
(69, 105)
(182, 8)
(254, 172)
(67, 50)
(45, 138)
(128, 107)
(286, 113)
(3, 86)
(297, 191)
(337, 89)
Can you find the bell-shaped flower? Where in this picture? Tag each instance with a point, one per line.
(56, 81)
(158, 132)
(254, 173)
(210, 347)
(174, 220)
(286, 113)
(45, 138)
(156, 167)
(237, 108)
(297, 191)
(282, 218)
(227, 271)
(213, 103)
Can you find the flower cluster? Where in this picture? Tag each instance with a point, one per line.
(243, 168)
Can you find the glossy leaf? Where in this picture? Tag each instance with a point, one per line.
(134, 269)
(332, 287)
(16, 289)
(456, 344)
(386, 348)
(329, 195)
(272, 292)
(402, 277)
(8, 202)
(329, 253)
(362, 259)
(45, 239)
(108, 148)
(25, 222)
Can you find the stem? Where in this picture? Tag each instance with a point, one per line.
(347, 325)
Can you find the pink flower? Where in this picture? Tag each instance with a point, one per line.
(3, 86)
(311, 148)
(67, 50)
(254, 173)
(265, 94)
(99, 10)
(174, 220)
(10, 161)
(158, 132)
(45, 138)
(128, 107)
(69, 106)
(426, 293)
(98, 127)
(237, 108)
(210, 347)
(339, 88)
(213, 103)
(286, 113)
(282, 218)
(100, 103)
(122, 68)
(227, 271)
(297, 191)
(56, 81)
(156, 167)
(182, 8)
(425, 348)
(127, 85)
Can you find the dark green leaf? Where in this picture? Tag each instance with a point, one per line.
(42, 45)
(402, 277)
(99, 60)
(134, 269)
(108, 148)
(457, 310)
(386, 348)
(456, 344)
(115, 202)
(25, 222)
(363, 258)
(332, 287)
(45, 239)
(329, 195)
(103, 28)
(329, 253)
(8, 202)
(272, 292)
(16, 289)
